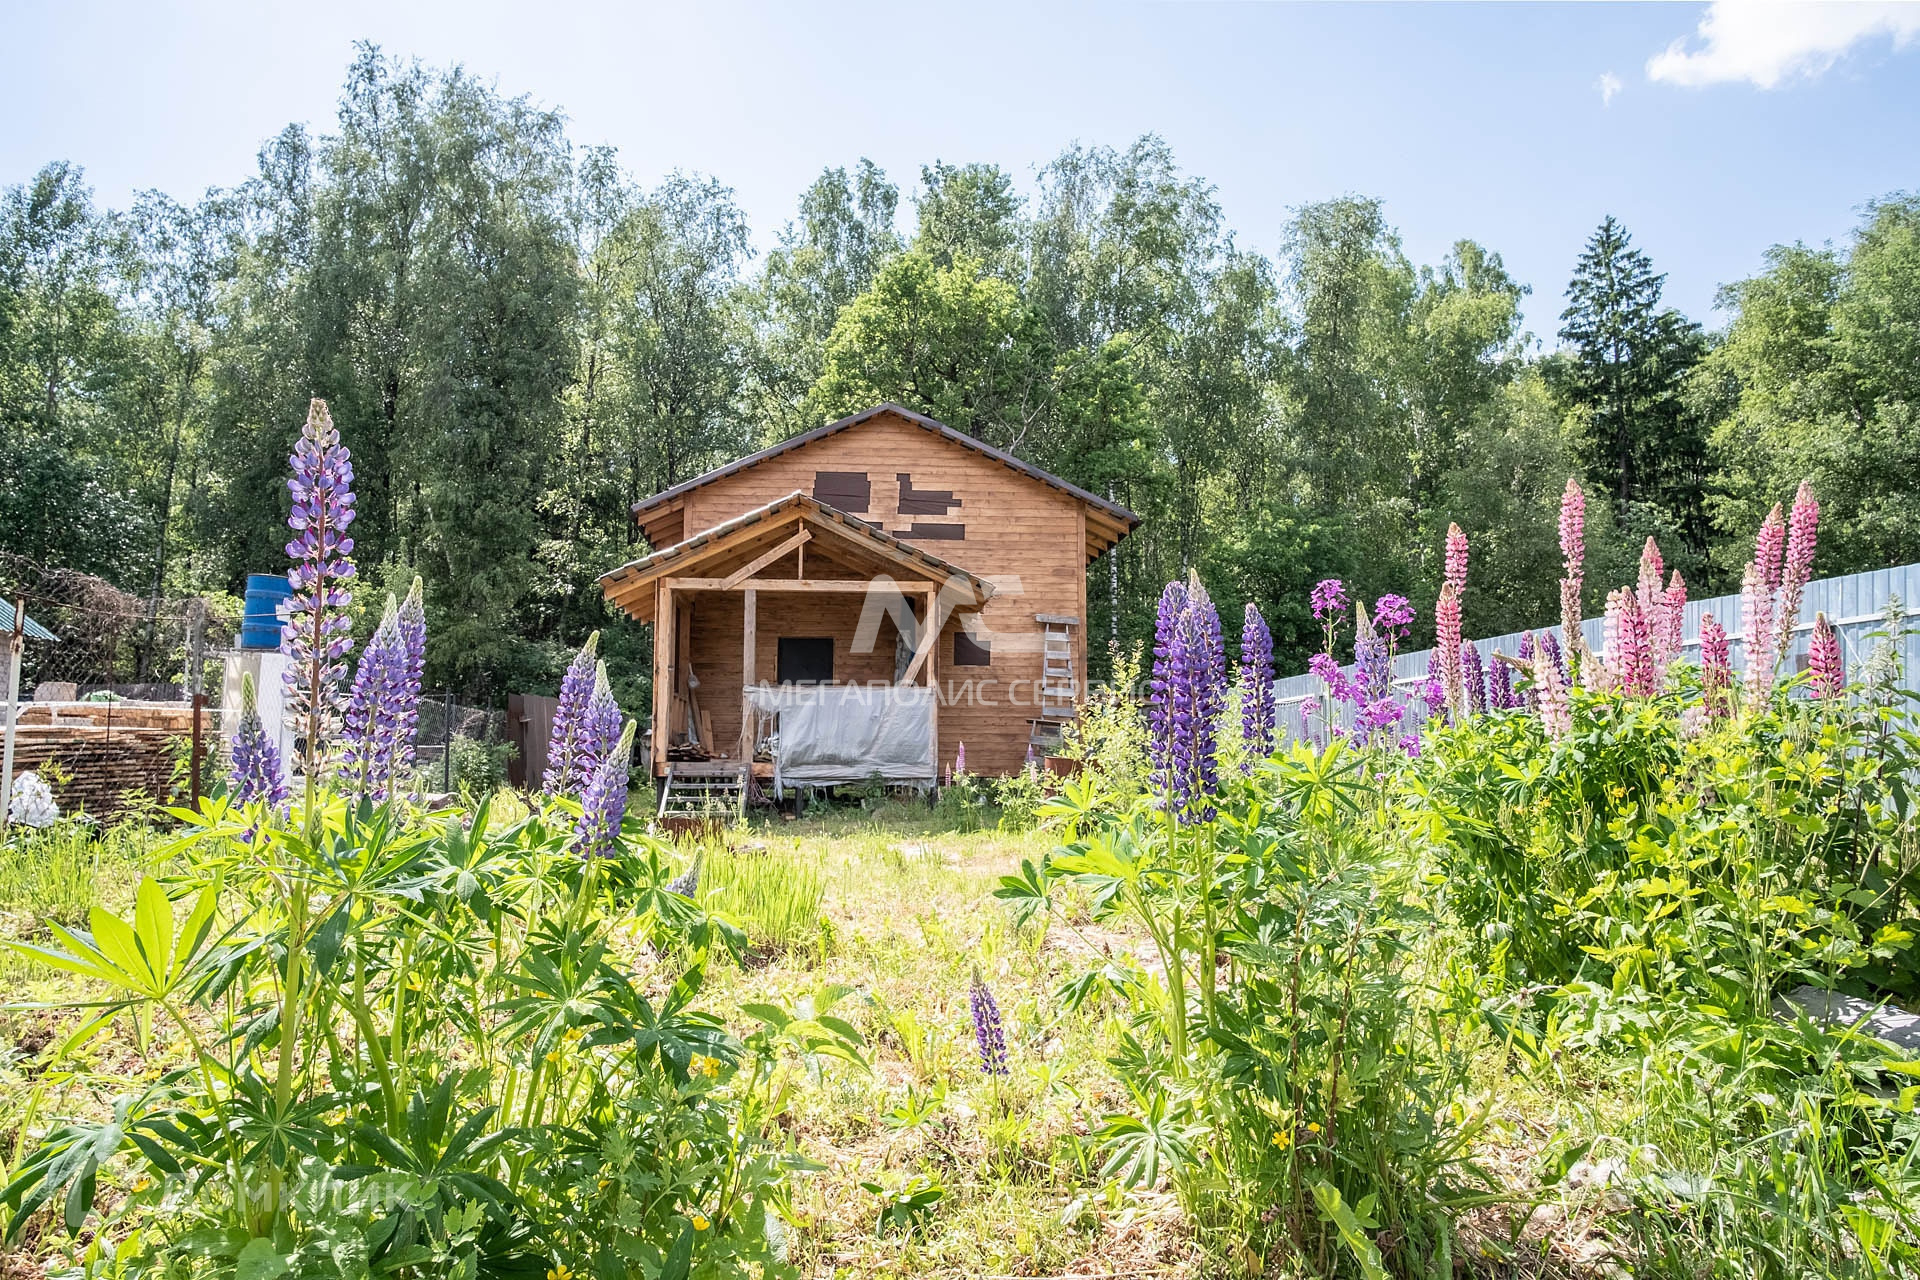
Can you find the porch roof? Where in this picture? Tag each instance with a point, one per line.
(624, 586)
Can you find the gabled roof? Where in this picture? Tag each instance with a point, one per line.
(622, 585)
(33, 629)
(1118, 519)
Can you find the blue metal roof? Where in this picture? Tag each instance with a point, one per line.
(34, 630)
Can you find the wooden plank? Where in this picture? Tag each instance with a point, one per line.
(748, 627)
(923, 652)
(761, 561)
(662, 668)
(933, 629)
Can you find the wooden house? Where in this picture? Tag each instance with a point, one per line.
(864, 598)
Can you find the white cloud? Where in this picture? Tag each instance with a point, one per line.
(1767, 43)
(1608, 84)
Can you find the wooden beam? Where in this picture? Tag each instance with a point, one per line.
(923, 652)
(747, 630)
(772, 584)
(761, 561)
(933, 689)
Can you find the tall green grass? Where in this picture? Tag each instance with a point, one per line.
(774, 895)
(57, 875)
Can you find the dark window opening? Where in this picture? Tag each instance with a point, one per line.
(934, 532)
(971, 652)
(805, 660)
(924, 502)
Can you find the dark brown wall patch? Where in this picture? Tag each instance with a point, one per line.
(843, 490)
(924, 502)
(933, 532)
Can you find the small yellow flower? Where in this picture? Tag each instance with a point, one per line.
(700, 1222)
(553, 1055)
(705, 1066)
(560, 1271)
(1312, 1127)
(1283, 1138)
(576, 1034)
(142, 1185)
(605, 1183)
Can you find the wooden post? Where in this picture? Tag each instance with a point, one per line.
(199, 754)
(663, 632)
(748, 627)
(932, 624)
(16, 646)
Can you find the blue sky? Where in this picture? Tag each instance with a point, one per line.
(1713, 132)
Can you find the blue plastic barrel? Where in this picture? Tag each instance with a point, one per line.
(260, 620)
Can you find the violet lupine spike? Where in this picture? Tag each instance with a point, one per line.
(1716, 668)
(687, 883)
(570, 721)
(600, 730)
(1823, 660)
(1803, 533)
(1500, 695)
(1550, 650)
(1528, 649)
(988, 1035)
(369, 729)
(1372, 659)
(1256, 689)
(413, 669)
(258, 773)
(316, 632)
(1473, 675)
(1173, 602)
(604, 803)
(1196, 686)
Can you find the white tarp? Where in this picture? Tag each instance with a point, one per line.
(848, 733)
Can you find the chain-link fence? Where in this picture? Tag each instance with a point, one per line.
(461, 745)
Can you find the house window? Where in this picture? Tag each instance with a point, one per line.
(843, 490)
(805, 660)
(971, 652)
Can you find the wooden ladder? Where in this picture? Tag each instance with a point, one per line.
(703, 791)
(1059, 683)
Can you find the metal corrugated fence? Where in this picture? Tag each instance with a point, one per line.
(1856, 605)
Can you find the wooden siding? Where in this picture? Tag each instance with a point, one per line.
(1028, 538)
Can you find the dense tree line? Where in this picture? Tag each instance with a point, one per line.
(518, 341)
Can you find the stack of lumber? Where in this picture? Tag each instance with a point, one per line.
(105, 768)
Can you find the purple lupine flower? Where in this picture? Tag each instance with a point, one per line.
(1473, 675)
(370, 726)
(1196, 688)
(1372, 657)
(1716, 667)
(1550, 650)
(687, 883)
(315, 631)
(1500, 695)
(1256, 688)
(1527, 651)
(258, 774)
(1433, 695)
(1823, 659)
(604, 803)
(413, 667)
(1166, 626)
(987, 1034)
(601, 730)
(569, 733)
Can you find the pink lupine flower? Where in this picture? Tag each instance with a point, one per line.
(1756, 626)
(1550, 694)
(1674, 615)
(1629, 646)
(1823, 660)
(1716, 668)
(1803, 530)
(1573, 548)
(1446, 649)
(1652, 569)
(1769, 546)
(1456, 573)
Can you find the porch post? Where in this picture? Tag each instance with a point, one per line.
(663, 635)
(932, 624)
(747, 629)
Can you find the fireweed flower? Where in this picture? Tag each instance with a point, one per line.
(1803, 529)
(1256, 689)
(987, 1033)
(370, 727)
(1474, 676)
(1716, 667)
(258, 774)
(315, 631)
(1823, 659)
(569, 738)
(604, 803)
